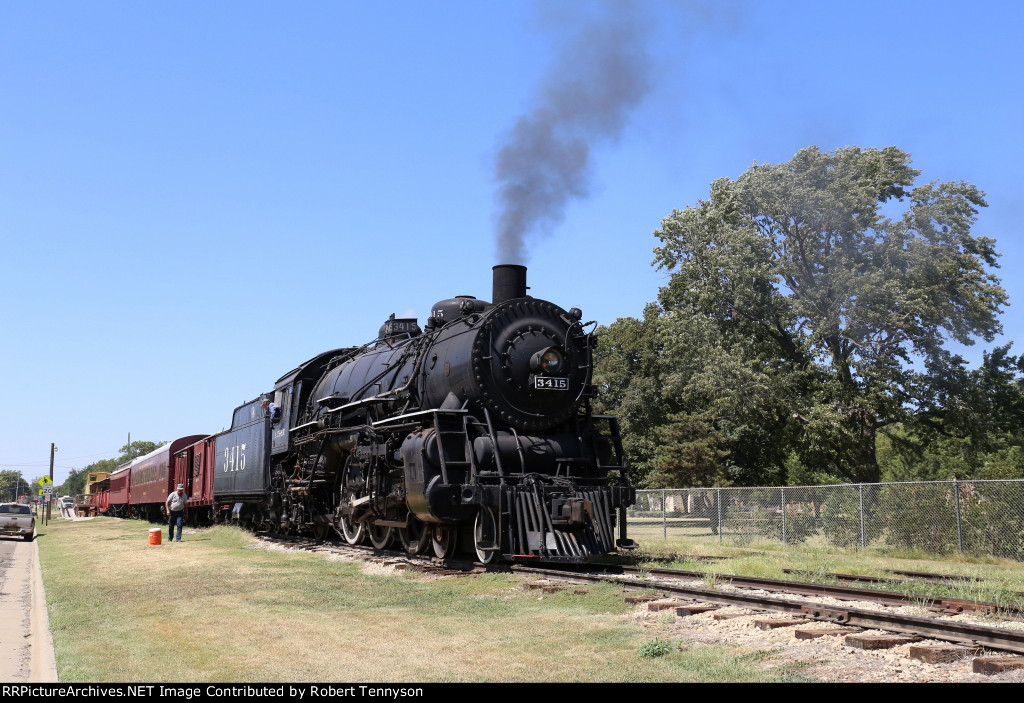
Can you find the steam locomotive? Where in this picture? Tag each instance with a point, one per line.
(476, 429)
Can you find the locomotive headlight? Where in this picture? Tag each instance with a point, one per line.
(549, 361)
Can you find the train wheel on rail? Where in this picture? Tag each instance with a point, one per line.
(415, 537)
(320, 531)
(485, 535)
(381, 537)
(353, 532)
(443, 539)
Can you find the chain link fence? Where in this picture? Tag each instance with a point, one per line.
(943, 517)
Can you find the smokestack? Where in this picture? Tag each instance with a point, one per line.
(509, 283)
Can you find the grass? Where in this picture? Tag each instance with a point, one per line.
(215, 609)
(710, 579)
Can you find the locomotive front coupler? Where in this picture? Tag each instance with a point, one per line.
(571, 512)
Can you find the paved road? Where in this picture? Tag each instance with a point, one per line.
(26, 648)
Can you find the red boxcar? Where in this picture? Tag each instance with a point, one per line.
(193, 466)
(152, 479)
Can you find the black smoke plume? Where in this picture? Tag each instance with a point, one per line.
(599, 77)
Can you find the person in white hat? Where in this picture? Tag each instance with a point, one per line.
(177, 509)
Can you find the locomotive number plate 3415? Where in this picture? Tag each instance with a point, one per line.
(551, 384)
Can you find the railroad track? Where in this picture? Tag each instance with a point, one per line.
(670, 585)
(938, 604)
(365, 552)
(945, 629)
(1011, 609)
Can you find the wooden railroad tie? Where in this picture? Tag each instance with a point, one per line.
(775, 623)
(941, 653)
(730, 616)
(543, 587)
(695, 609)
(997, 665)
(810, 633)
(879, 641)
(656, 605)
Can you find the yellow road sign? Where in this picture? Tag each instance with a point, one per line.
(44, 480)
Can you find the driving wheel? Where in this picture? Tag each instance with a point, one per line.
(353, 532)
(415, 537)
(380, 537)
(443, 538)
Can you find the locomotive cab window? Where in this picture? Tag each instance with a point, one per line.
(282, 404)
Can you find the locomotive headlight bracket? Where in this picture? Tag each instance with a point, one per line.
(548, 361)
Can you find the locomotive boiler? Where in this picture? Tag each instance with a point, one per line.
(474, 429)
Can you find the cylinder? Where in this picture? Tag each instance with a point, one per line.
(154, 535)
(508, 283)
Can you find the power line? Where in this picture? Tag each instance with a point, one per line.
(56, 466)
(112, 455)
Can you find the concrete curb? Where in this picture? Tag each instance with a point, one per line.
(43, 664)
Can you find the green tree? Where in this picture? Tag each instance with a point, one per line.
(11, 484)
(136, 449)
(835, 284)
(729, 422)
(628, 378)
(74, 484)
(971, 427)
(697, 408)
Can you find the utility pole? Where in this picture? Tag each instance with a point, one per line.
(53, 448)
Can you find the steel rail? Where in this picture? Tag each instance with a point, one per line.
(846, 577)
(927, 576)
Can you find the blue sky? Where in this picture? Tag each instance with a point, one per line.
(197, 196)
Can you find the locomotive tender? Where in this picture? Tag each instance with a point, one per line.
(475, 429)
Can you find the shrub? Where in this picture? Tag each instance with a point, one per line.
(655, 648)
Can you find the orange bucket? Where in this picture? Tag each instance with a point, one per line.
(154, 535)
